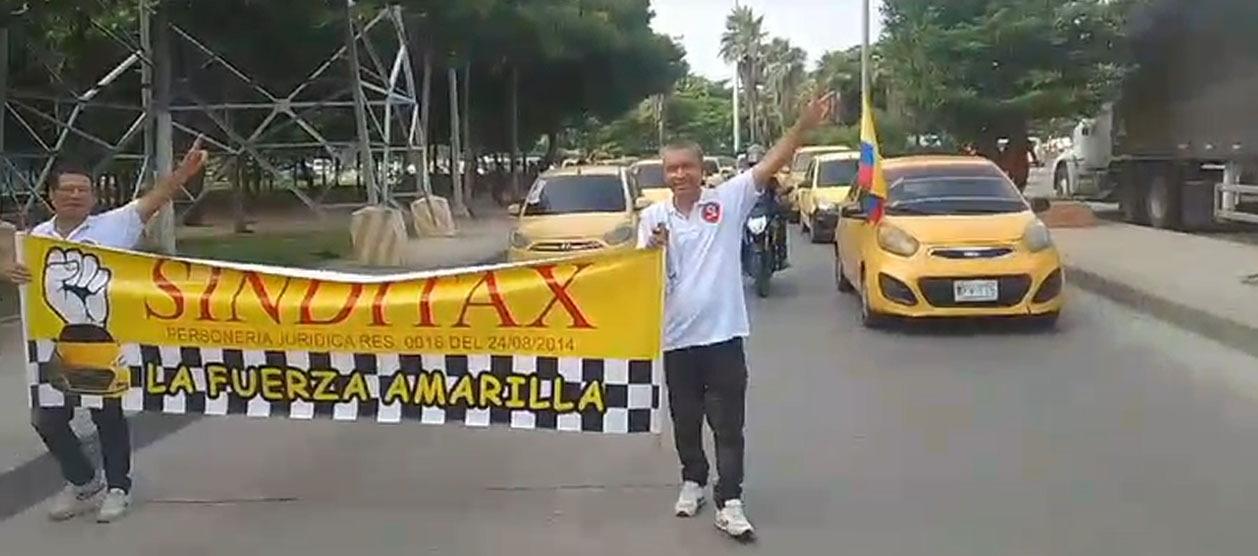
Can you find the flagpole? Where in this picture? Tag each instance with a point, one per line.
(864, 50)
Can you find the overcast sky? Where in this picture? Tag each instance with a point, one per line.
(817, 26)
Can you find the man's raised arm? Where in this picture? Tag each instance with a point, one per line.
(815, 112)
(168, 186)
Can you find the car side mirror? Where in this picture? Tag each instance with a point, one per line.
(513, 209)
(852, 211)
(1040, 204)
(641, 203)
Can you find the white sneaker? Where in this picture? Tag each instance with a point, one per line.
(733, 521)
(689, 500)
(75, 500)
(117, 503)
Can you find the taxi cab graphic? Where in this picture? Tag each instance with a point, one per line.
(87, 360)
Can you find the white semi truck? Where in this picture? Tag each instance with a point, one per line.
(1178, 147)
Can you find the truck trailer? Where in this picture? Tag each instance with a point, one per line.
(1179, 145)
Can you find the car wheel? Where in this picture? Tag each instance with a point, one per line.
(840, 278)
(1131, 195)
(1162, 202)
(869, 317)
(763, 269)
(815, 236)
(1061, 181)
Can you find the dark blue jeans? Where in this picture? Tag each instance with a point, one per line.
(53, 425)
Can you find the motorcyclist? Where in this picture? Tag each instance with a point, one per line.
(774, 197)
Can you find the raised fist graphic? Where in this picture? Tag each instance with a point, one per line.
(76, 286)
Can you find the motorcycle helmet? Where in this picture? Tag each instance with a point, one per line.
(755, 153)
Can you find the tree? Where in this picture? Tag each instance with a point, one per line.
(986, 69)
(697, 109)
(840, 71)
(560, 61)
(784, 74)
(741, 45)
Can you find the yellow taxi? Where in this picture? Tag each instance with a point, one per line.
(648, 179)
(957, 239)
(823, 189)
(717, 170)
(793, 176)
(578, 210)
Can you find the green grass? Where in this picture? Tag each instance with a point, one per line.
(295, 249)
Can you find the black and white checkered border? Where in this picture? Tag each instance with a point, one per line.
(632, 387)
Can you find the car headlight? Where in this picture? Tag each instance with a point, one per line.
(894, 240)
(618, 236)
(1037, 237)
(519, 240)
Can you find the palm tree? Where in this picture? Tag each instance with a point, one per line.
(741, 44)
(784, 76)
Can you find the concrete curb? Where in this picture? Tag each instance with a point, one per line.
(1233, 334)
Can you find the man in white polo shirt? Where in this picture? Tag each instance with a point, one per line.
(73, 199)
(705, 313)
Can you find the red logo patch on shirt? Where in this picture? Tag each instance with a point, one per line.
(711, 212)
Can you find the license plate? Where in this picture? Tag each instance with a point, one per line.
(972, 291)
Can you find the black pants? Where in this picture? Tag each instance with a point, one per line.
(53, 425)
(709, 381)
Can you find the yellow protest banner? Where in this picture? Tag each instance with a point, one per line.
(570, 344)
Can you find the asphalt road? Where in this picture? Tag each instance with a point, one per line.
(1116, 435)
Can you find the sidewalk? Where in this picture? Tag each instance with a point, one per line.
(478, 240)
(1198, 283)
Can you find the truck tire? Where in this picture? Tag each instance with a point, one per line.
(1061, 181)
(1162, 201)
(1131, 195)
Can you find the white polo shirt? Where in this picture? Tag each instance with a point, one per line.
(704, 301)
(120, 228)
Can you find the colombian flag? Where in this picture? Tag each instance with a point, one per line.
(871, 178)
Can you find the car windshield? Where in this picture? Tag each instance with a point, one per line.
(650, 176)
(710, 167)
(954, 195)
(837, 172)
(804, 159)
(574, 194)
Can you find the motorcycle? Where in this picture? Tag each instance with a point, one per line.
(759, 255)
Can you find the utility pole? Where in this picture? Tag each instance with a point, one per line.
(659, 116)
(738, 147)
(468, 149)
(459, 207)
(517, 164)
(865, 92)
(5, 176)
(425, 162)
(365, 157)
(158, 149)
